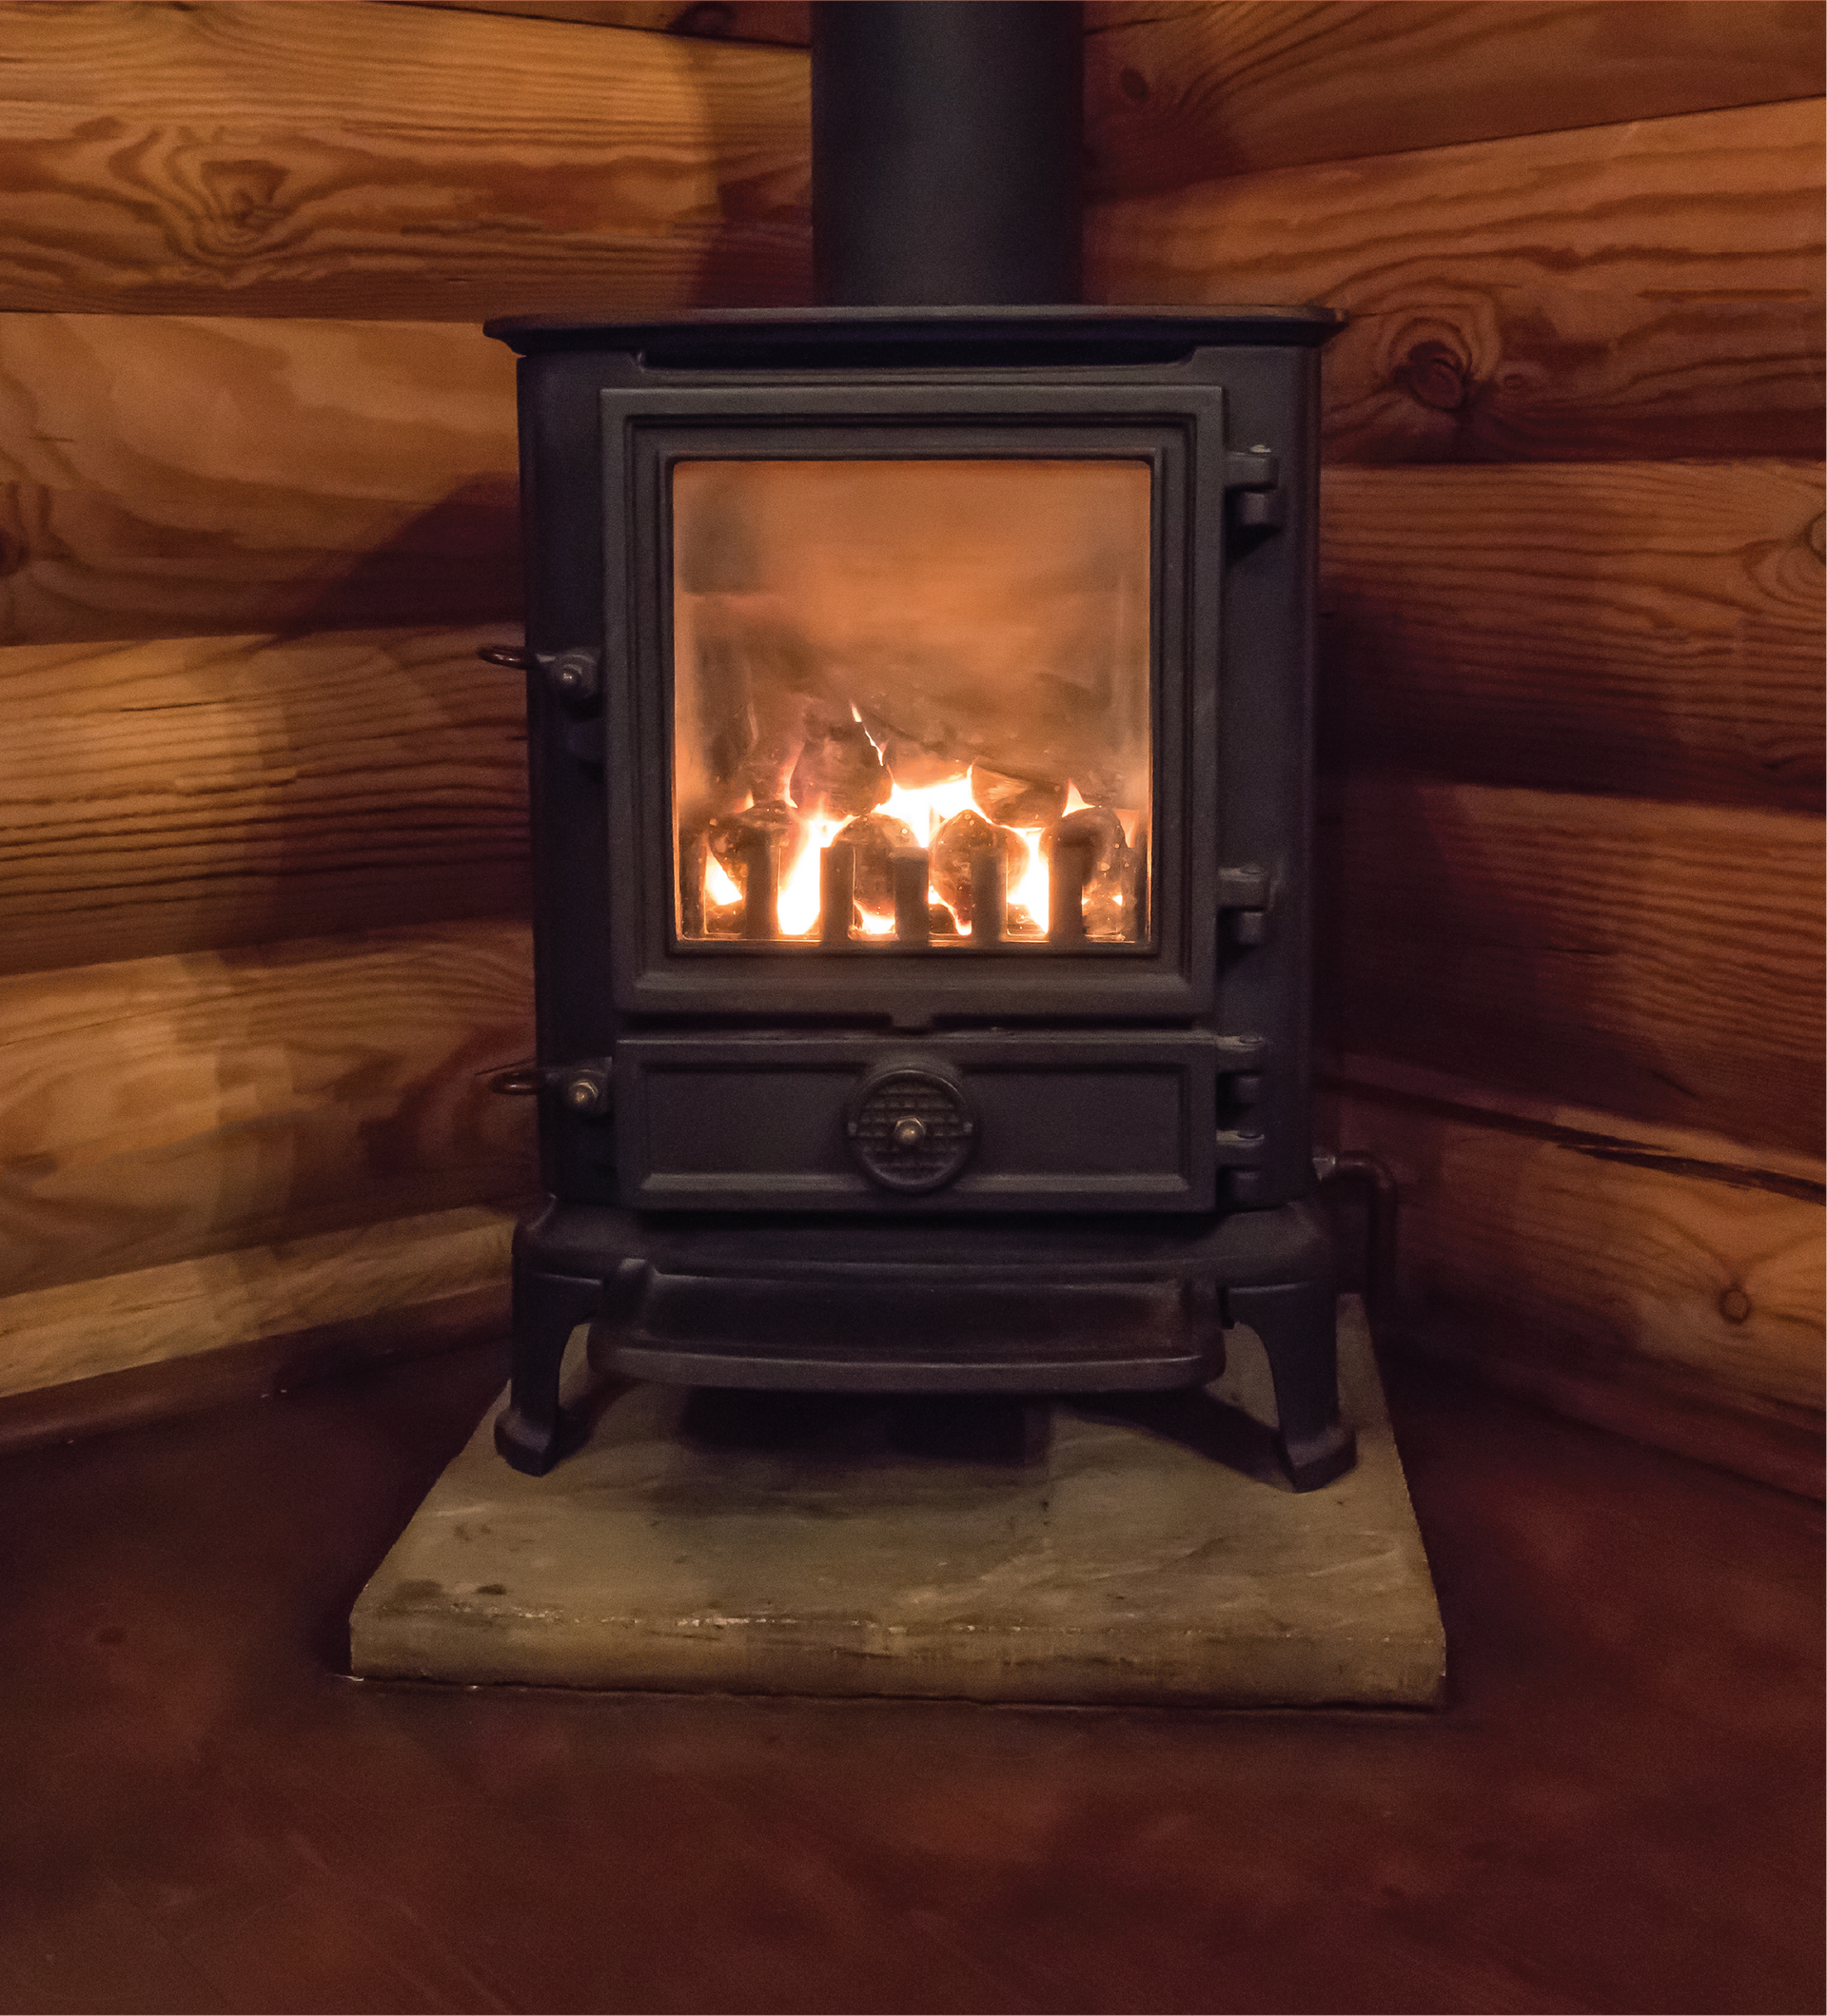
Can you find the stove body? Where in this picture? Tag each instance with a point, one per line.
(920, 734)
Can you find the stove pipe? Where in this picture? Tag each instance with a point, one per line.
(947, 145)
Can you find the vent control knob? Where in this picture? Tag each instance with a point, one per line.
(911, 1129)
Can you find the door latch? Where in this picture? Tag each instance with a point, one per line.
(586, 1089)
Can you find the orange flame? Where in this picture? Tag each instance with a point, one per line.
(923, 810)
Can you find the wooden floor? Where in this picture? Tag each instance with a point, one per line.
(1622, 1808)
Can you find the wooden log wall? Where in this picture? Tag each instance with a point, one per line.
(260, 806)
(1572, 556)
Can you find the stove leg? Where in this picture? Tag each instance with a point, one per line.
(1298, 1324)
(530, 1430)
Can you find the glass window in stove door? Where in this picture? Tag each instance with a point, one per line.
(910, 702)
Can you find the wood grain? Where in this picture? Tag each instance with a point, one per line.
(1524, 1245)
(1652, 960)
(1177, 96)
(172, 476)
(88, 1329)
(175, 476)
(260, 1368)
(1759, 1165)
(166, 1110)
(206, 792)
(1178, 93)
(1643, 290)
(322, 159)
(1643, 629)
(787, 22)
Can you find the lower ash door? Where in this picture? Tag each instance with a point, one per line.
(977, 1124)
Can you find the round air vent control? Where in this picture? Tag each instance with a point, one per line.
(910, 1129)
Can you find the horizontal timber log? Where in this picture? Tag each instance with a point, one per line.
(371, 1275)
(197, 1382)
(1654, 960)
(1540, 302)
(166, 1110)
(1644, 628)
(321, 158)
(213, 791)
(171, 476)
(1757, 1165)
(1643, 290)
(1182, 94)
(778, 21)
(1538, 1248)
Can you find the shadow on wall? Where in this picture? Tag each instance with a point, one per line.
(167, 475)
(457, 563)
(760, 256)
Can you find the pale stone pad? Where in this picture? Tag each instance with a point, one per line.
(1152, 1554)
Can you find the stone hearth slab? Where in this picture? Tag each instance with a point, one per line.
(1143, 1549)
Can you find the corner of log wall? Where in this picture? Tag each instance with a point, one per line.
(262, 924)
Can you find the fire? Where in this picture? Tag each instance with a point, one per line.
(923, 810)
(717, 886)
(799, 907)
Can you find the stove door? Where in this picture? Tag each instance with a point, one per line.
(916, 717)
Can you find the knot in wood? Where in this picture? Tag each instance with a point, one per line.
(708, 18)
(1432, 376)
(243, 196)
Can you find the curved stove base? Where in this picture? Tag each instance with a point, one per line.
(926, 1306)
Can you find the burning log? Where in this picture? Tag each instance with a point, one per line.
(1006, 800)
(733, 835)
(838, 775)
(1093, 876)
(752, 847)
(873, 840)
(956, 846)
(912, 764)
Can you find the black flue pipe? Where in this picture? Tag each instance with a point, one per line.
(947, 152)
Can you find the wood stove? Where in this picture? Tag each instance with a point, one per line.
(919, 725)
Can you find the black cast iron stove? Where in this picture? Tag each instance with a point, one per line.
(919, 727)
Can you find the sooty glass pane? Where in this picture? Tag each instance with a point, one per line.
(910, 702)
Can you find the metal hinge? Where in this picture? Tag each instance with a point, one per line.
(1239, 1148)
(1240, 1154)
(1244, 897)
(1258, 503)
